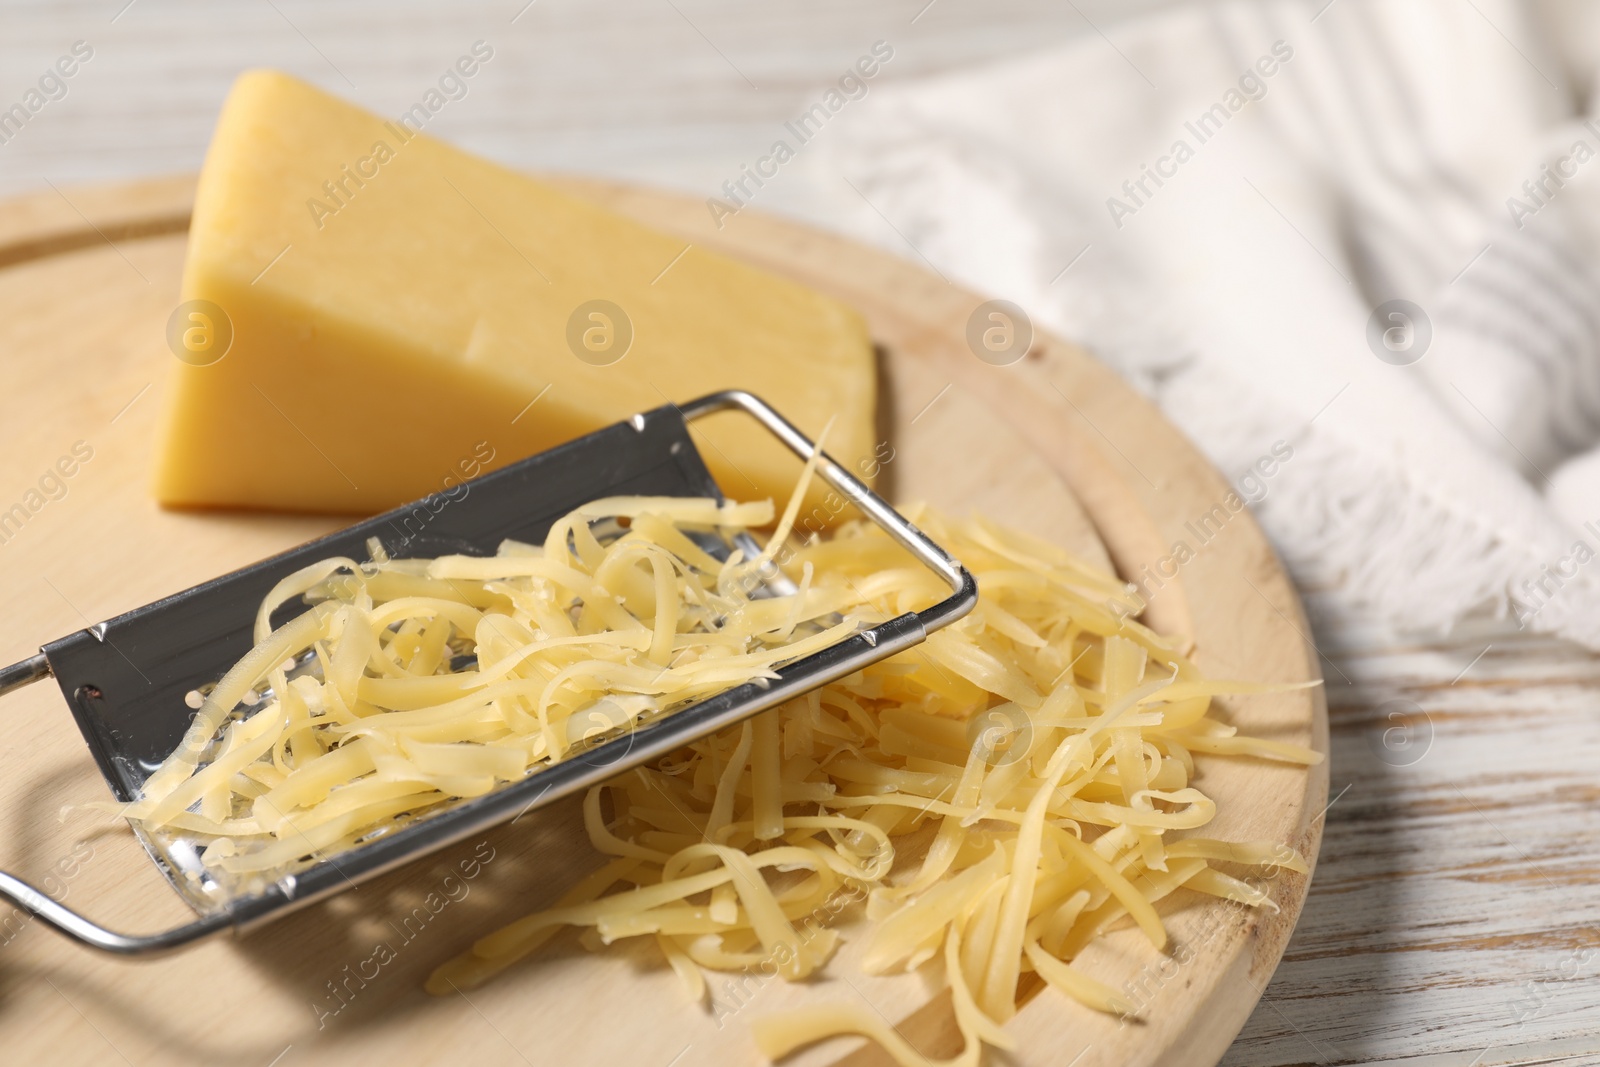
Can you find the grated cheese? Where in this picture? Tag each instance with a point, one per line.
(412, 683)
(1045, 742)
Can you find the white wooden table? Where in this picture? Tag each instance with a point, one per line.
(1454, 919)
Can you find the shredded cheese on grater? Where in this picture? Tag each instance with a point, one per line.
(411, 683)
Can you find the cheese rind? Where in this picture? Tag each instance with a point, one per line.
(400, 309)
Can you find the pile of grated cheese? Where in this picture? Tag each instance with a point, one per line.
(1002, 794)
(1045, 742)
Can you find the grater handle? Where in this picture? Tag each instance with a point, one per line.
(78, 927)
(22, 674)
(87, 932)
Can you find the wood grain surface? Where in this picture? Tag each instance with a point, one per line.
(1454, 919)
(1053, 443)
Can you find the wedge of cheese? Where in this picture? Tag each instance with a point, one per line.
(402, 314)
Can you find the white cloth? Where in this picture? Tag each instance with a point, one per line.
(1365, 152)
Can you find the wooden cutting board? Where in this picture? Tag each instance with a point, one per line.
(1053, 443)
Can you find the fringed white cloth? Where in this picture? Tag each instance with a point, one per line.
(1222, 202)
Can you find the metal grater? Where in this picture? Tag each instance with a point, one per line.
(133, 717)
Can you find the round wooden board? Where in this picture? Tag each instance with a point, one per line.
(1055, 444)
